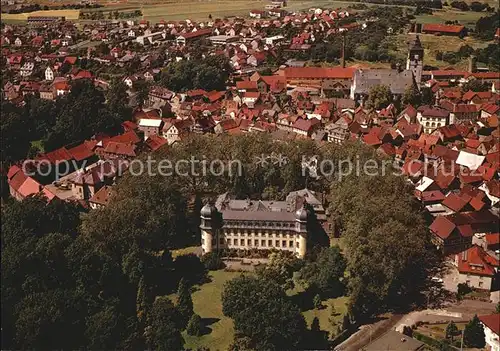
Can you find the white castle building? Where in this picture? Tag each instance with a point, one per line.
(262, 225)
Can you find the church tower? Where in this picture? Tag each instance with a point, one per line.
(415, 59)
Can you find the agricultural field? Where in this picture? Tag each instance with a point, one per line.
(219, 329)
(69, 14)
(466, 18)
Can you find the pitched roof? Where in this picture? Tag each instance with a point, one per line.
(319, 72)
(120, 149)
(102, 196)
(434, 27)
(492, 321)
(476, 261)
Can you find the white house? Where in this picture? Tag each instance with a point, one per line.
(27, 69)
(491, 325)
(49, 74)
(476, 268)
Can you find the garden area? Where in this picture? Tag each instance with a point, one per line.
(218, 330)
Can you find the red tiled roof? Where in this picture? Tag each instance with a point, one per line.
(492, 238)
(129, 125)
(102, 196)
(56, 156)
(448, 73)
(492, 321)
(246, 84)
(154, 142)
(120, 149)
(319, 72)
(80, 152)
(198, 33)
(455, 202)
(476, 261)
(17, 180)
(433, 27)
(128, 137)
(12, 171)
(433, 195)
(29, 187)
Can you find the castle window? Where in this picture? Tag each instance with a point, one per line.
(249, 242)
(283, 243)
(242, 242)
(263, 243)
(277, 243)
(202, 241)
(270, 243)
(256, 242)
(297, 244)
(290, 243)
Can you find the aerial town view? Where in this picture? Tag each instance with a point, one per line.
(213, 175)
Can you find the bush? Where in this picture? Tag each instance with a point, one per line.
(212, 261)
(194, 325)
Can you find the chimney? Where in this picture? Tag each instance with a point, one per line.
(472, 63)
(464, 255)
(343, 50)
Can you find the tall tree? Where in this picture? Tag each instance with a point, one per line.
(474, 333)
(163, 332)
(262, 312)
(184, 303)
(379, 97)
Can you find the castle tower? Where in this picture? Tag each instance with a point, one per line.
(301, 217)
(209, 227)
(415, 59)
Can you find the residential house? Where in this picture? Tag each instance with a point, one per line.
(49, 74)
(101, 198)
(150, 126)
(477, 268)
(174, 131)
(453, 233)
(432, 117)
(491, 322)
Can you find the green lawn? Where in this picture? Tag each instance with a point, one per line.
(220, 330)
(323, 315)
(185, 251)
(207, 303)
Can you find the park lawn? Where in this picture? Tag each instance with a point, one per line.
(207, 303)
(323, 315)
(185, 251)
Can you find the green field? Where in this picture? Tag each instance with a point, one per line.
(432, 44)
(467, 18)
(220, 330)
